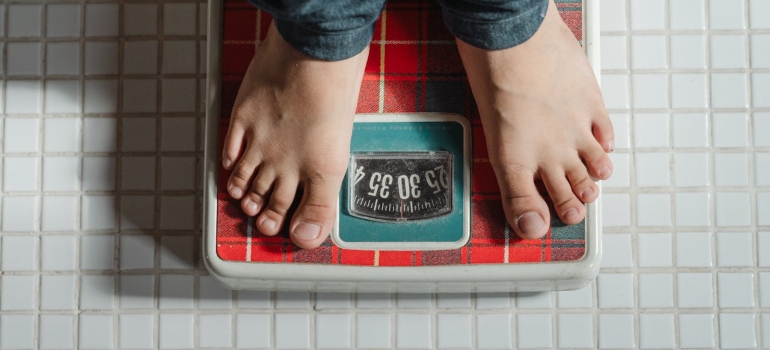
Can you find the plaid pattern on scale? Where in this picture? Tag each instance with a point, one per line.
(413, 67)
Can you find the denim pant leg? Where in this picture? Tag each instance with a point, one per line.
(330, 30)
(493, 24)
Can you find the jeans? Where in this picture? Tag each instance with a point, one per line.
(334, 30)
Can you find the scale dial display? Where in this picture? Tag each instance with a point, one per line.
(400, 186)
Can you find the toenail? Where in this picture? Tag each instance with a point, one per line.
(269, 223)
(611, 145)
(251, 206)
(236, 192)
(227, 162)
(307, 231)
(605, 172)
(530, 222)
(571, 214)
(587, 193)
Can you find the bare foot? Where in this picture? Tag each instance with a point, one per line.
(543, 117)
(290, 129)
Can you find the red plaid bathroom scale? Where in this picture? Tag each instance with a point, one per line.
(413, 67)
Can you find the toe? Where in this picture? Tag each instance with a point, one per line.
(232, 145)
(315, 215)
(525, 209)
(570, 210)
(582, 185)
(255, 199)
(604, 133)
(242, 174)
(272, 218)
(596, 160)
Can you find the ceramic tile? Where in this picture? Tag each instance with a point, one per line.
(736, 290)
(453, 300)
(325, 301)
(138, 19)
(98, 173)
(757, 8)
(656, 331)
(19, 253)
(617, 210)
(575, 299)
(22, 96)
(136, 331)
(56, 332)
(178, 134)
(693, 209)
(252, 331)
(656, 290)
(621, 166)
(179, 19)
(101, 58)
(728, 90)
(693, 249)
(695, 290)
(616, 291)
(615, 90)
(20, 174)
(614, 17)
(762, 168)
(178, 95)
(728, 51)
(617, 251)
(19, 214)
(18, 293)
(95, 332)
(142, 248)
(179, 57)
(614, 52)
(101, 20)
(654, 250)
(176, 292)
(533, 300)
(734, 249)
(177, 212)
(23, 58)
(63, 20)
(57, 253)
(733, 209)
(652, 169)
(140, 96)
(763, 209)
(650, 91)
(647, 14)
(766, 330)
(576, 331)
(176, 252)
(763, 244)
(253, 299)
(212, 295)
(22, 327)
(491, 301)
(57, 292)
(696, 331)
(175, 331)
(332, 331)
(648, 51)
(616, 331)
(138, 173)
(99, 134)
(534, 331)
(62, 96)
(67, 60)
(691, 169)
(21, 135)
(101, 96)
(139, 134)
(413, 331)
(454, 331)
(726, 14)
(98, 213)
(61, 135)
(177, 173)
(687, 15)
(688, 51)
(760, 85)
(654, 209)
(736, 331)
(24, 20)
(620, 124)
(97, 292)
(373, 331)
(493, 331)
(414, 300)
(98, 252)
(292, 331)
(140, 57)
(691, 130)
(689, 90)
(137, 291)
(761, 128)
(650, 130)
(764, 289)
(215, 331)
(730, 129)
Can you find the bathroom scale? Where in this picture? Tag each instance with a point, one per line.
(419, 209)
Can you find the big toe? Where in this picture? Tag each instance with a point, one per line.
(524, 207)
(314, 218)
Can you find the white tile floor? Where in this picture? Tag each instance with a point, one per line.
(100, 148)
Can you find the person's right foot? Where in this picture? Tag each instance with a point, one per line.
(290, 129)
